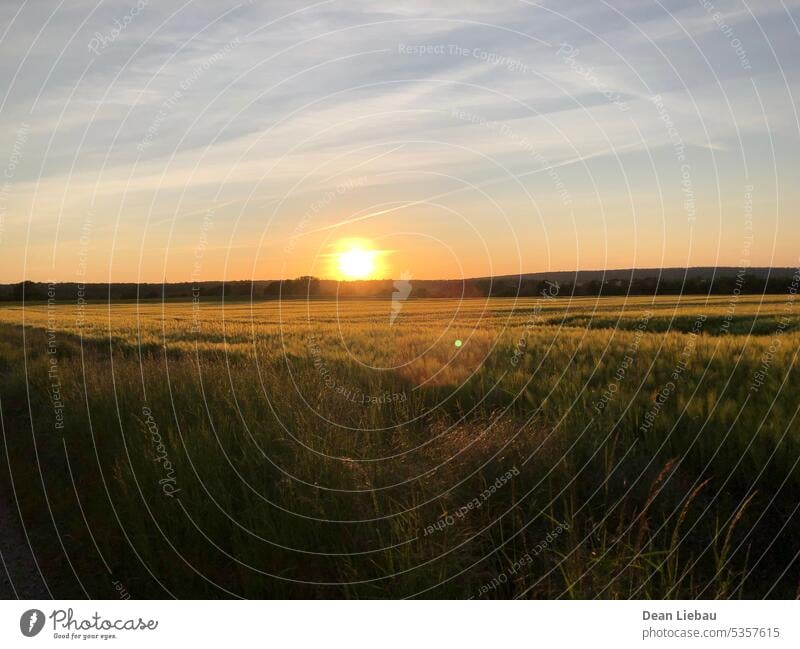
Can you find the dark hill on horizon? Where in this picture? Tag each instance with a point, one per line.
(666, 274)
(632, 281)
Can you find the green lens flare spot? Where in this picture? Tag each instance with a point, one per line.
(458, 342)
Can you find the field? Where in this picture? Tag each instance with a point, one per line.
(547, 447)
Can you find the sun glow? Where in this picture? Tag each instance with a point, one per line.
(356, 260)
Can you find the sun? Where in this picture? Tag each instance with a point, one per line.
(357, 264)
(356, 259)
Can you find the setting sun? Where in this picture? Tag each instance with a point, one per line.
(356, 260)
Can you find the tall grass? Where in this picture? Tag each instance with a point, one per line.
(312, 449)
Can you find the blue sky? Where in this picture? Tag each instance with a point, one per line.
(144, 140)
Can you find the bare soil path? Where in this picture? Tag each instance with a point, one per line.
(19, 575)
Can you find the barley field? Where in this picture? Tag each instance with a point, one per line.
(540, 448)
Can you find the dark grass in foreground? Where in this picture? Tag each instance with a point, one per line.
(595, 448)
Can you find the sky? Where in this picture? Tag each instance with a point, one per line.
(145, 141)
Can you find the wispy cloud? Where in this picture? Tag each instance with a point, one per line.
(258, 108)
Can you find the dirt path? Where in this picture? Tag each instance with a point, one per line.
(19, 577)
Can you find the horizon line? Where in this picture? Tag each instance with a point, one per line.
(631, 269)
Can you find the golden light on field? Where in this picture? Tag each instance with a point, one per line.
(356, 259)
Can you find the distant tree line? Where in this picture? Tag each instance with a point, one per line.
(312, 287)
(72, 291)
